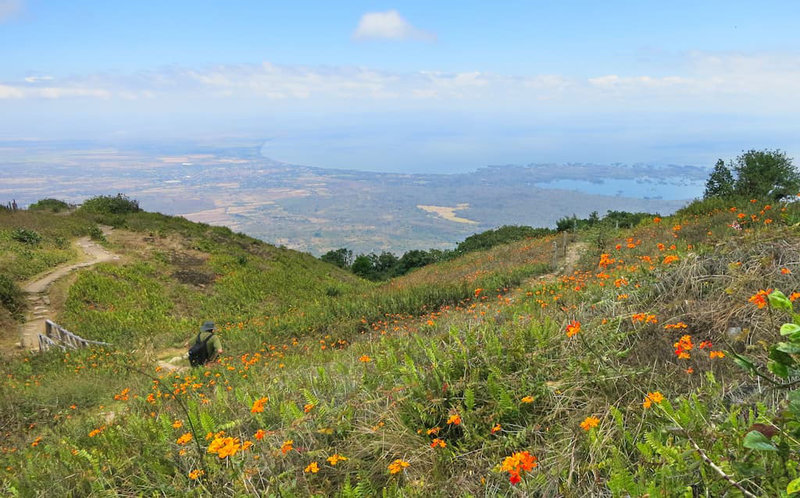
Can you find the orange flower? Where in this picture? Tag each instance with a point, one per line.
(365, 359)
(589, 422)
(786, 271)
(312, 468)
(527, 399)
(679, 325)
(656, 220)
(670, 259)
(760, 298)
(517, 463)
(185, 438)
(434, 430)
(308, 407)
(654, 397)
(716, 354)
(258, 405)
(397, 466)
(336, 458)
(195, 474)
(286, 447)
(260, 434)
(573, 328)
(438, 442)
(454, 419)
(177, 424)
(497, 428)
(793, 296)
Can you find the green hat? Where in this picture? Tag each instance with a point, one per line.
(207, 326)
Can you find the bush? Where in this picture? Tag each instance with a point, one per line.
(503, 235)
(26, 236)
(106, 204)
(11, 296)
(53, 205)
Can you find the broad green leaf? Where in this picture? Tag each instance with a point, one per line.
(787, 347)
(779, 301)
(778, 369)
(793, 486)
(789, 329)
(759, 442)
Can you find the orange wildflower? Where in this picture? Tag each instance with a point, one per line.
(454, 419)
(589, 422)
(336, 458)
(654, 397)
(185, 438)
(438, 442)
(786, 271)
(287, 446)
(260, 434)
(670, 259)
(365, 359)
(527, 399)
(497, 428)
(573, 328)
(760, 298)
(793, 296)
(177, 424)
(397, 466)
(312, 468)
(716, 354)
(517, 463)
(195, 474)
(258, 405)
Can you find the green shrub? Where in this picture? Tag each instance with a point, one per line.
(26, 236)
(11, 296)
(106, 204)
(53, 205)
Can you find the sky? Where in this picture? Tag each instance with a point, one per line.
(415, 86)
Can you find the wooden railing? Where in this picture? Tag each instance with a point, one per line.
(56, 335)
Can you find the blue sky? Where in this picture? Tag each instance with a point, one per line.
(410, 86)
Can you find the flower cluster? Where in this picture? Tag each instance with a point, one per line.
(516, 464)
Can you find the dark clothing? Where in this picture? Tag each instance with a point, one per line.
(214, 345)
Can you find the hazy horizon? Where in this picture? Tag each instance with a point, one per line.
(410, 87)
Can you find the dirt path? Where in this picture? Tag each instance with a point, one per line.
(38, 290)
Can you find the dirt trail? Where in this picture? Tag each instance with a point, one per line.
(38, 290)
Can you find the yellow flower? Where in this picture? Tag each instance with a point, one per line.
(454, 419)
(589, 422)
(312, 468)
(286, 447)
(654, 397)
(185, 438)
(527, 399)
(397, 466)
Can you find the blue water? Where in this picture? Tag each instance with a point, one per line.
(642, 188)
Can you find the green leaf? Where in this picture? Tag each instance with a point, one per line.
(759, 442)
(789, 329)
(787, 347)
(793, 486)
(778, 300)
(778, 369)
(745, 363)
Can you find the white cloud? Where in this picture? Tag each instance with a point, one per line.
(9, 9)
(37, 79)
(707, 82)
(389, 25)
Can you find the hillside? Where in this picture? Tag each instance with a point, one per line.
(490, 374)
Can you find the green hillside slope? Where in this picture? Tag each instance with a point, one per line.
(484, 375)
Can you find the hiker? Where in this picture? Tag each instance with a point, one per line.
(207, 346)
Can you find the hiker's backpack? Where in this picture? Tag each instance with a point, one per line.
(198, 353)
